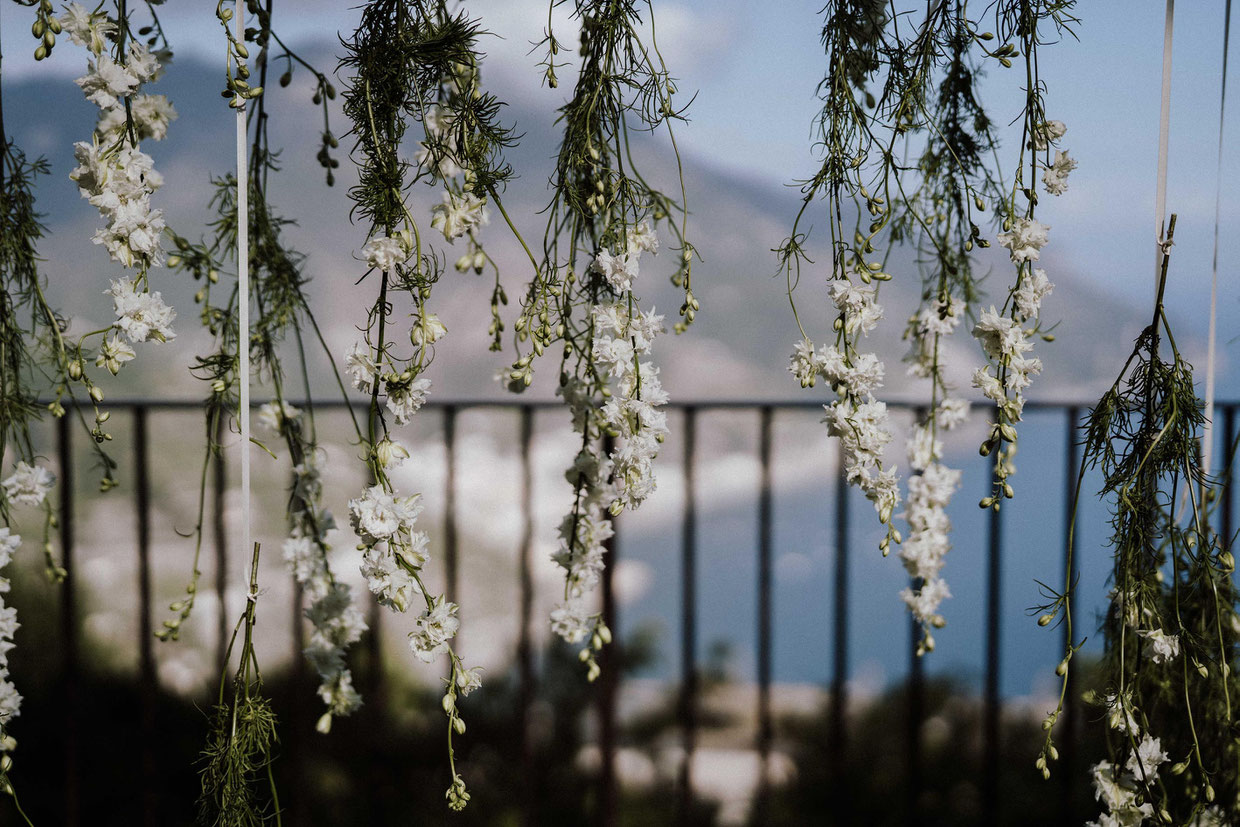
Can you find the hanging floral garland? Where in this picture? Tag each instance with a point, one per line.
(863, 135)
(38, 352)
(602, 218)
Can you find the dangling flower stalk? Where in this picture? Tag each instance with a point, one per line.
(939, 217)
(240, 748)
(277, 291)
(1172, 630)
(1006, 334)
(415, 61)
(603, 217)
(38, 357)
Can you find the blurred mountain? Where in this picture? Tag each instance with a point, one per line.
(737, 349)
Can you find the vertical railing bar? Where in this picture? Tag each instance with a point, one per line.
(991, 702)
(374, 619)
(839, 653)
(916, 697)
(765, 542)
(68, 626)
(525, 649)
(298, 696)
(219, 537)
(1067, 755)
(688, 623)
(610, 663)
(449, 531)
(146, 653)
(1229, 442)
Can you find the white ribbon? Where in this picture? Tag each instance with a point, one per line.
(243, 297)
(1164, 129)
(1207, 436)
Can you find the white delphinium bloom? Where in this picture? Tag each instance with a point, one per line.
(133, 234)
(29, 484)
(1118, 793)
(924, 447)
(427, 329)
(467, 680)
(1025, 240)
(618, 270)
(359, 363)
(377, 514)
(458, 214)
(438, 151)
(390, 453)
(435, 628)
(572, 621)
(952, 413)
(929, 541)
(303, 559)
(10, 700)
(1000, 335)
(1160, 646)
(151, 116)
(106, 81)
(1033, 289)
(633, 414)
(392, 585)
(141, 316)
(337, 624)
(1055, 178)
(385, 252)
(272, 415)
(405, 398)
(1147, 758)
(113, 353)
(805, 363)
(1121, 715)
(86, 28)
(941, 318)
(1048, 133)
(642, 238)
(860, 306)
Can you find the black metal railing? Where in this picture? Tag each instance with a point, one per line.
(768, 418)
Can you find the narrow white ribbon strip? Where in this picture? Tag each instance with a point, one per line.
(1164, 129)
(243, 299)
(1207, 437)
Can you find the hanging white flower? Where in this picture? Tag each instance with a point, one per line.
(141, 316)
(435, 628)
(385, 252)
(1025, 240)
(29, 484)
(458, 214)
(113, 353)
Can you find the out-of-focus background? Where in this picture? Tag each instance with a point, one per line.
(957, 731)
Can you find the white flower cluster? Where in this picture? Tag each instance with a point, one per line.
(1055, 176)
(10, 700)
(458, 214)
(1120, 788)
(606, 485)
(336, 624)
(28, 484)
(856, 418)
(405, 393)
(929, 541)
(931, 489)
(118, 179)
(632, 413)
(112, 173)
(620, 269)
